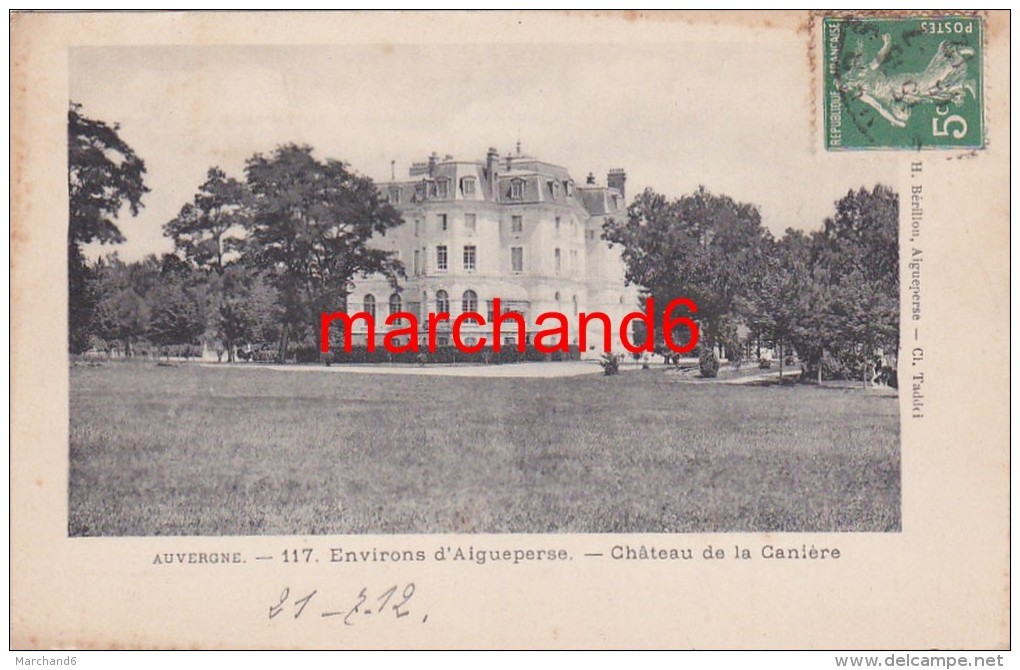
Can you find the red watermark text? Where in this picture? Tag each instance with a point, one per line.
(553, 332)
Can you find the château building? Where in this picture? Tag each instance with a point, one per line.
(512, 227)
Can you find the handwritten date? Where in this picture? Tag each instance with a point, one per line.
(394, 602)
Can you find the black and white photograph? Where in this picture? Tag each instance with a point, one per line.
(532, 328)
(223, 198)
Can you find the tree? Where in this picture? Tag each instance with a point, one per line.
(209, 233)
(247, 308)
(701, 246)
(122, 313)
(104, 174)
(781, 290)
(212, 226)
(176, 314)
(309, 227)
(122, 316)
(82, 297)
(852, 300)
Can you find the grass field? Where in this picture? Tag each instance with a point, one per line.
(195, 450)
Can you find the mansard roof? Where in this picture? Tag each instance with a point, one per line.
(601, 200)
(516, 180)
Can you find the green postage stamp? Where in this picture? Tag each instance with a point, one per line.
(903, 83)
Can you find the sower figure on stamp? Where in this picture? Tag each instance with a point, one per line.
(944, 80)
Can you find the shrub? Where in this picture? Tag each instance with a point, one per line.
(610, 363)
(708, 362)
(837, 365)
(306, 353)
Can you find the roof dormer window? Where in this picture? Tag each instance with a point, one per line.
(443, 188)
(516, 189)
(394, 195)
(467, 186)
(568, 186)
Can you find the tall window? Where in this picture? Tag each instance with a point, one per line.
(469, 257)
(517, 259)
(469, 303)
(470, 222)
(443, 222)
(516, 189)
(395, 303)
(441, 258)
(516, 224)
(417, 262)
(467, 185)
(417, 227)
(370, 305)
(573, 260)
(557, 224)
(559, 261)
(442, 301)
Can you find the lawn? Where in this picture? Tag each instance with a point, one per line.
(193, 450)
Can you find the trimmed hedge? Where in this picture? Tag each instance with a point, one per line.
(443, 355)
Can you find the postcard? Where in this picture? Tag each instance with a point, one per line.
(510, 330)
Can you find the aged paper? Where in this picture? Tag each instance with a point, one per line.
(737, 102)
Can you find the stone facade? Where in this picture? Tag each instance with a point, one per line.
(512, 227)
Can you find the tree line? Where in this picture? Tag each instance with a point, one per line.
(256, 260)
(831, 295)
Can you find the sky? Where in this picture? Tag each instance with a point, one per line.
(734, 116)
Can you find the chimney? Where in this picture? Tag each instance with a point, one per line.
(591, 179)
(490, 166)
(432, 164)
(617, 179)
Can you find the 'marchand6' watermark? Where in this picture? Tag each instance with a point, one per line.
(547, 340)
